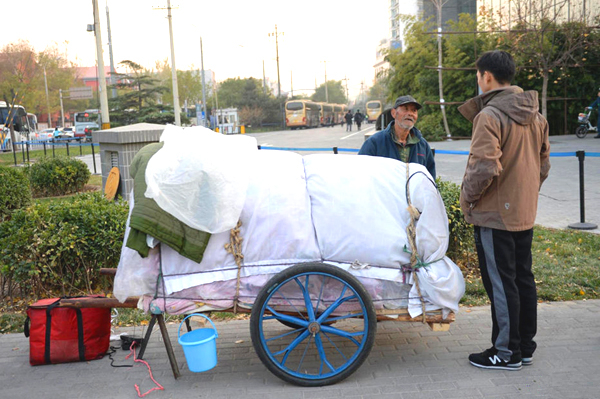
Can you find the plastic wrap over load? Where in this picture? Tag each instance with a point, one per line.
(350, 211)
(201, 177)
(359, 210)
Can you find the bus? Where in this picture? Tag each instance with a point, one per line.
(374, 109)
(326, 114)
(89, 119)
(339, 110)
(20, 124)
(302, 113)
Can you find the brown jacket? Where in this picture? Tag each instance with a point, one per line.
(508, 160)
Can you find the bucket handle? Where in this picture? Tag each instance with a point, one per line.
(197, 314)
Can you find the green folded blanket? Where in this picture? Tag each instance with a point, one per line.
(147, 218)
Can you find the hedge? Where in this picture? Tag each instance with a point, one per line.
(14, 190)
(58, 176)
(60, 246)
(461, 232)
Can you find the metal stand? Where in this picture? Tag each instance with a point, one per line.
(166, 340)
(582, 225)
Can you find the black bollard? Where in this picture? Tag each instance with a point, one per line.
(94, 157)
(335, 150)
(582, 225)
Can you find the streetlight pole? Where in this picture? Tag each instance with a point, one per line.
(47, 98)
(203, 84)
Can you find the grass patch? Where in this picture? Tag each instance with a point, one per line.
(566, 266)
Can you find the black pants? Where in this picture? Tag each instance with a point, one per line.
(505, 264)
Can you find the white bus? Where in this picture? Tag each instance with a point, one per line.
(89, 119)
(20, 124)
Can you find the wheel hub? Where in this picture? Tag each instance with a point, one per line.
(314, 328)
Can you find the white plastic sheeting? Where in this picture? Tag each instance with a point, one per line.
(333, 208)
(201, 177)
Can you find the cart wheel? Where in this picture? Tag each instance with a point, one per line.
(581, 131)
(309, 297)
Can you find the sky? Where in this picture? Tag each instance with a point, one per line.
(235, 37)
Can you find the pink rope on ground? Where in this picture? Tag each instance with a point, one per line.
(158, 387)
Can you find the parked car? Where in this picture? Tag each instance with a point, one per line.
(46, 134)
(67, 133)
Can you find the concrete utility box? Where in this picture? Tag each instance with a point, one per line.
(118, 146)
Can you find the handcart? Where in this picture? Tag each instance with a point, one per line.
(314, 280)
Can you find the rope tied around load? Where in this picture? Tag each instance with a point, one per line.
(419, 262)
(234, 247)
(411, 233)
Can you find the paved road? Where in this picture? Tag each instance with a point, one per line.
(408, 361)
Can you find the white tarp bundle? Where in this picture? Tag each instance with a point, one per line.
(334, 208)
(198, 166)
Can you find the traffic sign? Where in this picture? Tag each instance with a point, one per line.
(81, 93)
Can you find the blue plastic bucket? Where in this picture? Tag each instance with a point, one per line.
(199, 346)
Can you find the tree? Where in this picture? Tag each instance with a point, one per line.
(137, 100)
(335, 92)
(542, 39)
(248, 97)
(22, 73)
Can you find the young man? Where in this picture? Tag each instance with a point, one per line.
(401, 140)
(508, 162)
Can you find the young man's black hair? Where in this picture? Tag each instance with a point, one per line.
(498, 63)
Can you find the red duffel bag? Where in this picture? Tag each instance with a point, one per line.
(66, 334)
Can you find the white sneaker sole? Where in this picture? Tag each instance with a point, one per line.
(516, 367)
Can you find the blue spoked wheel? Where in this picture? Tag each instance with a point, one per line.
(309, 298)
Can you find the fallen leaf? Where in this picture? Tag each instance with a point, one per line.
(239, 341)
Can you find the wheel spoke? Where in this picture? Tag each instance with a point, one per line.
(344, 334)
(287, 318)
(334, 306)
(292, 346)
(322, 355)
(334, 345)
(304, 354)
(307, 301)
(290, 302)
(320, 293)
(348, 316)
(284, 335)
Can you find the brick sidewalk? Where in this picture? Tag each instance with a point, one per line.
(407, 361)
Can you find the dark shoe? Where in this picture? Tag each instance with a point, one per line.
(597, 136)
(527, 361)
(489, 359)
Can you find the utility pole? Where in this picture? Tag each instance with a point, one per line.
(277, 54)
(173, 68)
(326, 92)
(110, 53)
(264, 80)
(203, 84)
(47, 99)
(347, 95)
(105, 117)
(62, 110)
(292, 82)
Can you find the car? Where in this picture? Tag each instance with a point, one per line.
(46, 134)
(67, 133)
